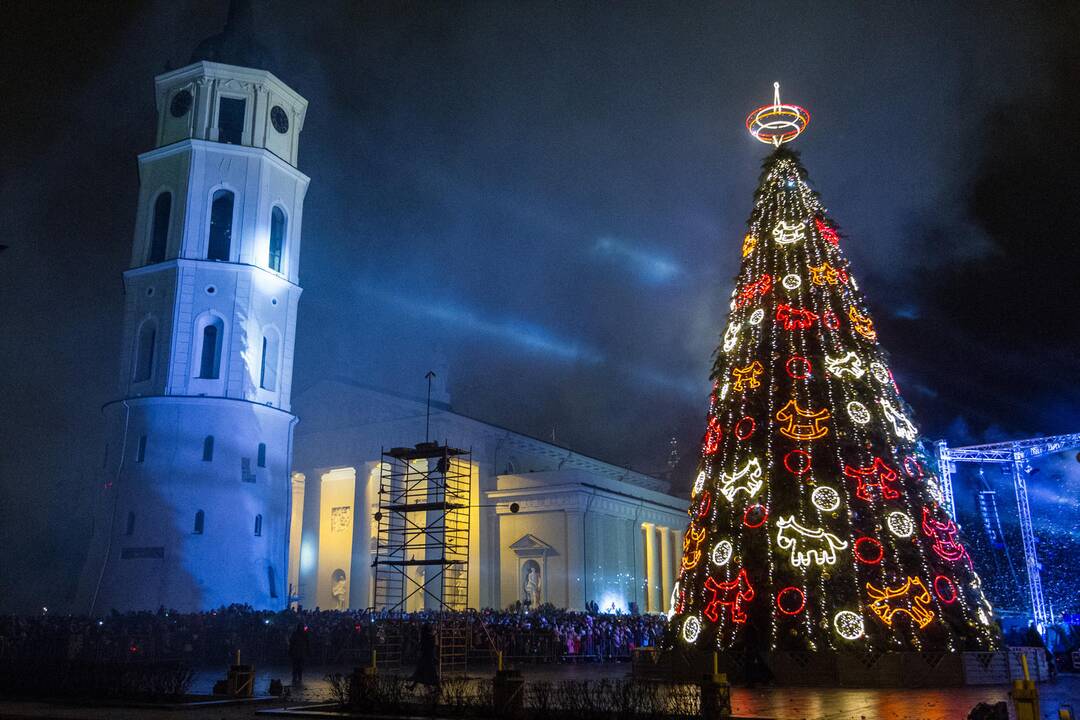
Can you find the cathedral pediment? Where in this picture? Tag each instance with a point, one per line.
(531, 546)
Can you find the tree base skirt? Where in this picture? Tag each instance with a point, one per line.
(849, 669)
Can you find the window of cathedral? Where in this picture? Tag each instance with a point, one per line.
(219, 246)
(208, 449)
(258, 526)
(261, 457)
(277, 238)
(140, 453)
(159, 233)
(200, 519)
(231, 120)
(272, 578)
(144, 352)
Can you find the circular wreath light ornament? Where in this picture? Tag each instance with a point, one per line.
(777, 123)
(791, 281)
(858, 412)
(825, 498)
(691, 628)
(757, 316)
(721, 553)
(900, 524)
(848, 625)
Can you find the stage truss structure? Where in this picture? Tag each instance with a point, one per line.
(422, 548)
(1018, 454)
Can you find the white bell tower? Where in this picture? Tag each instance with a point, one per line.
(197, 471)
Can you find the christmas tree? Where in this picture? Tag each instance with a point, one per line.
(816, 520)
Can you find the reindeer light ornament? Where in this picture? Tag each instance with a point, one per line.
(911, 599)
(747, 480)
(692, 546)
(731, 336)
(877, 476)
(826, 274)
(747, 377)
(862, 324)
(849, 365)
(807, 547)
(900, 424)
(731, 594)
(793, 318)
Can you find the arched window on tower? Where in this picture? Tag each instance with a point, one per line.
(268, 371)
(200, 519)
(219, 246)
(144, 352)
(209, 340)
(159, 233)
(277, 238)
(208, 448)
(258, 526)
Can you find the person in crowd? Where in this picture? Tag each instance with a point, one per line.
(298, 652)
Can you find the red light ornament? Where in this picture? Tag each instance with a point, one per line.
(798, 368)
(732, 593)
(791, 600)
(876, 476)
(752, 290)
(745, 428)
(797, 462)
(711, 443)
(945, 589)
(829, 320)
(755, 516)
(868, 551)
(793, 318)
(827, 233)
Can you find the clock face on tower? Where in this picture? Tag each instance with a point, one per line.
(279, 119)
(181, 103)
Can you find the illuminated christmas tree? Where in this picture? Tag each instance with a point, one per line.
(816, 521)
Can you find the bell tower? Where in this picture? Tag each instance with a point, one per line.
(196, 491)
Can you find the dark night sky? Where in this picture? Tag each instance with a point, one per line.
(552, 197)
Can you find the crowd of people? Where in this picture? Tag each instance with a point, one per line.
(331, 636)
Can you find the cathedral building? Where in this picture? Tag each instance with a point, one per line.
(207, 501)
(586, 530)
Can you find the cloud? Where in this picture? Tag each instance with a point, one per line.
(648, 266)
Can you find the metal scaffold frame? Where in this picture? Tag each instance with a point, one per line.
(422, 549)
(1018, 453)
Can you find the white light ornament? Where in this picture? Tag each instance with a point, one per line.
(721, 553)
(900, 524)
(788, 233)
(825, 498)
(849, 365)
(757, 316)
(699, 483)
(880, 373)
(858, 412)
(691, 629)
(731, 336)
(747, 480)
(724, 390)
(848, 625)
(901, 425)
(791, 282)
(777, 123)
(673, 600)
(808, 547)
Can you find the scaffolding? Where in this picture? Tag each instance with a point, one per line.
(422, 549)
(1018, 455)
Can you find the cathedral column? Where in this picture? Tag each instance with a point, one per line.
(575, 560)
(665, 568)
(652, 600)
(296, 529)
(676, 552)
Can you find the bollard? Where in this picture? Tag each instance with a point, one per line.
(715, 693)
(1065, 712)
(508, 692)
(372, 669)
(1025, 695)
